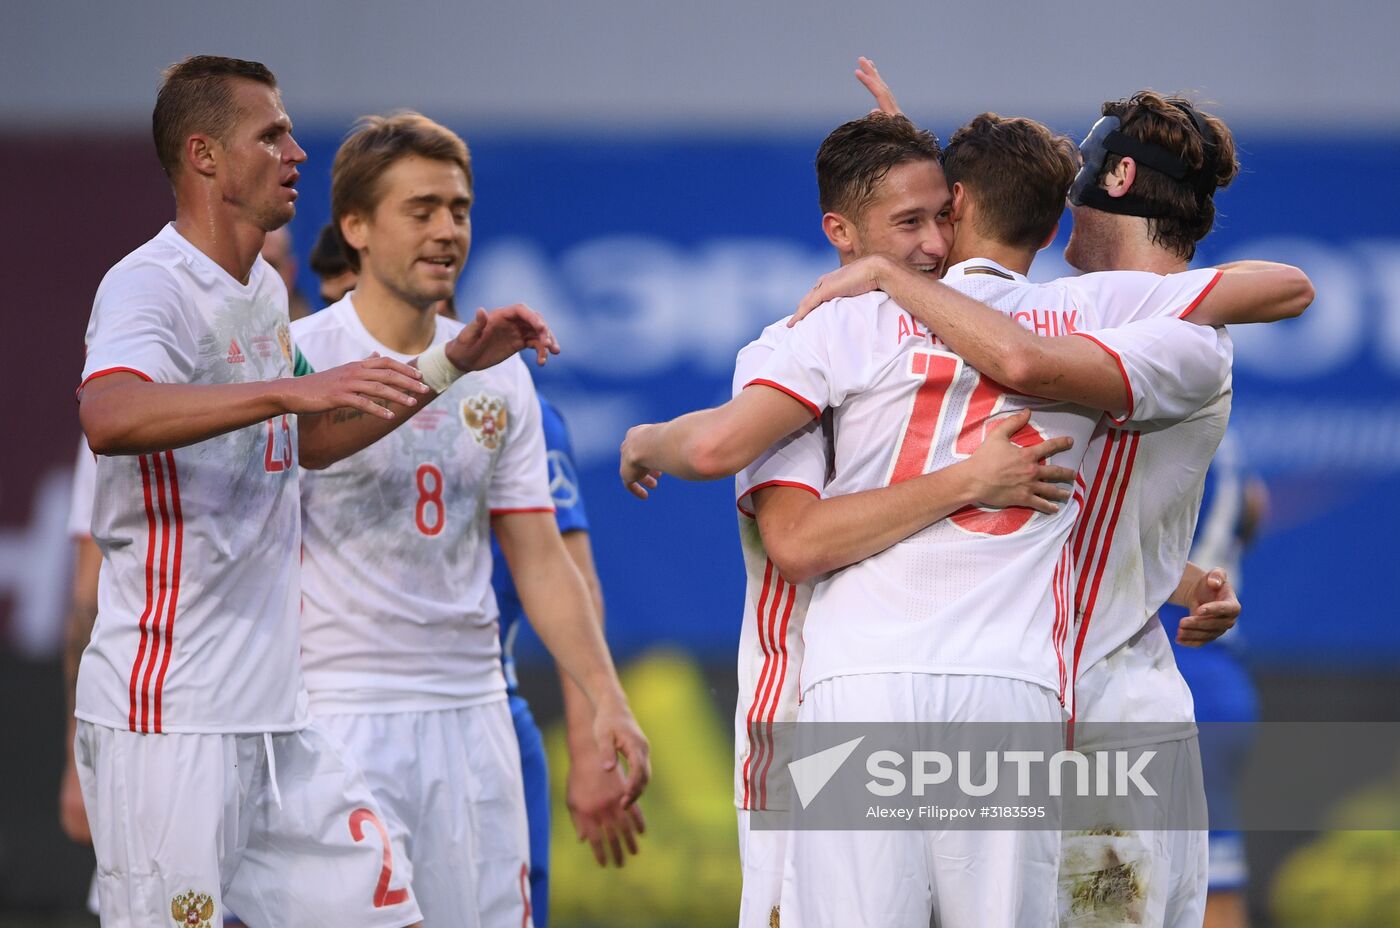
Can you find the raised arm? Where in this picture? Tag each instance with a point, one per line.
(806, 536)
(556, 599)
(711, 443)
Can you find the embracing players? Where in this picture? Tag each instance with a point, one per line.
(1142, 201)
(203, 777)
(883, 376)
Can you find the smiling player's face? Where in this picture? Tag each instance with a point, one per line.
(909, 218)
(416, 242)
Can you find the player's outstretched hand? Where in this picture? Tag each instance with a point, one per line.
(616, 732)
(637, 479)
(884, 97)
(1214, 610)
(493, 336)
(860, 276)
(1006, 474)
(358, 385)
(72, 814)
(595, 800)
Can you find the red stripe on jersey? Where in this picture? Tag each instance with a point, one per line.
(150, 586)
(1197, 301)
(1090, 520)
(773, 483)
(162, 574)
(109, 370)
(777, 692)
(507, 512)
(1132, 444)
(764, 728)
(811, 406)
(174, 580)
(1087, 512)
(1060, 618)
(1100, 515)
(1122, 372)
(1130, 441)
(1066, 589)
(763, 672)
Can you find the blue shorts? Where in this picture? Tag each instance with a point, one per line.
(1226, 705)
(534, 766)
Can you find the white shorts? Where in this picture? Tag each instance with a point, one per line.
(761, 855)
(450, 784)
(280, 827)
(902, 879)
(1129, 877)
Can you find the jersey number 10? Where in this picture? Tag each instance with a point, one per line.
(926, 430)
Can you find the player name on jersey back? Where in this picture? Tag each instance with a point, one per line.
(398, 610)
(985, 591)
(197, 616)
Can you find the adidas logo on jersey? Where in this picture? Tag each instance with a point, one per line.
(235, 354)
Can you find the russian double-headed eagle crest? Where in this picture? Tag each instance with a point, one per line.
(192, 910)
(486, 417)
(284, 341)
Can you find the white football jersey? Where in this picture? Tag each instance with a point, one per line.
(84, 486)
(1141, 491)
(770, 636)
(397, 608)
(985, 591)
(196, 620)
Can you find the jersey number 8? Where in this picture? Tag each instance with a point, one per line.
(429, 514)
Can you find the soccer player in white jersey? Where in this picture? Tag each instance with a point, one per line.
(399, 639)
(203, 779)
(882, 379)
(789, 534)
(1144, 485)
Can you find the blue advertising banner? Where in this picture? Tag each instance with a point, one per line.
(655, 260)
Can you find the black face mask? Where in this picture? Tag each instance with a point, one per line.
(1105, 138)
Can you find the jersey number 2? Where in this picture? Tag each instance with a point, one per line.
(429, 514)
(383, 895)
(938, 372)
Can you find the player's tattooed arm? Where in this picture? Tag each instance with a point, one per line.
(1065, 368)
(1213, 606)
(555, 597)
(807, 537)
(1255, 291)
(593, 794)
(711, 443)
(486, 341)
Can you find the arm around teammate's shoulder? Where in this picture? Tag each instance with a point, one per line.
(1254, 291)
